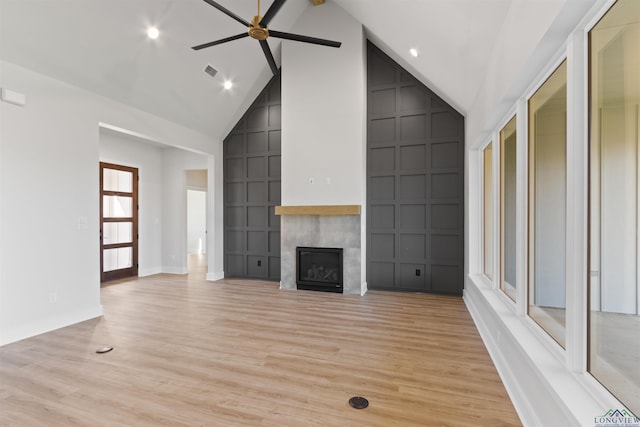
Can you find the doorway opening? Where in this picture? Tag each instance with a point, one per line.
(197, 221)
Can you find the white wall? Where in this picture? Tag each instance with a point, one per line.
(126, 150)
(197, 183)
(49, 253)
(324, 116)
(517, 57)
(196, 221)
(323, 112)
(175, 163)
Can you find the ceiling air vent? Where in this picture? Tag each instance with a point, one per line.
(211, 71)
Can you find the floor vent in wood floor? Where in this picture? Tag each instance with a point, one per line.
(358, 402)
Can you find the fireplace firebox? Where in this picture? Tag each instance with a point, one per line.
(319, 269)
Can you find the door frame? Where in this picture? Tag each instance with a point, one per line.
(133, 270)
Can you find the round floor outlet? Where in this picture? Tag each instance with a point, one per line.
(358, 402)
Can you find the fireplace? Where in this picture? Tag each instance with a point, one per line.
(319, 269)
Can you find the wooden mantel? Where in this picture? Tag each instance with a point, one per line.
(318, 210)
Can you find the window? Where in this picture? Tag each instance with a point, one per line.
(547, 204)
(508, 209)
(614, 192)
(487, 214)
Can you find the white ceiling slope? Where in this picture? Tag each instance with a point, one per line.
(456, 39)
(101, 46)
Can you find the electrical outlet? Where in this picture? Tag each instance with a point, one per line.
(259, 263)
(417, 272)
(311, 180)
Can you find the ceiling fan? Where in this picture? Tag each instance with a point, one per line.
(258, 30)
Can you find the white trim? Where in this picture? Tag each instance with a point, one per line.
(128, 132)
(213, 276)
(485, 144)
(552, 346)
(497, 242)
(551, 68)
(511, 113)
(475, 197)
(175, 270)
(144, 272)
(595, 15)
(577, 199)
(48, 324)
(485, 323)
(364, 289)
(542, 390)
(522, 205)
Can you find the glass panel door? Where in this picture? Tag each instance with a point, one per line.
(118, 221)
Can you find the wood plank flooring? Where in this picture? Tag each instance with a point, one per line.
(239, 353)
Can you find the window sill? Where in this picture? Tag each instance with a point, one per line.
(543, 390)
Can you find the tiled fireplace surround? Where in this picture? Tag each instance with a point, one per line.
(315, 227)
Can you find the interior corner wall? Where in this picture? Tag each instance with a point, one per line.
(323, 111)
(125, 150)
(175, 163)
(49, 154)
(215, 215)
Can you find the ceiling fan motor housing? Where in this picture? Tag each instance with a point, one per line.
(256, 31)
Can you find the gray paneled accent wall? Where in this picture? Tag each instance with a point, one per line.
(252, 190)
(415, 183)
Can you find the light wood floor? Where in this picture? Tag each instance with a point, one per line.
(239, 353)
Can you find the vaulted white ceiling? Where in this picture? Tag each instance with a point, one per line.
(101, 46)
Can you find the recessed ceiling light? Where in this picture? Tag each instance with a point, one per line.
(227, 84)
(153, 33)
(413, 52)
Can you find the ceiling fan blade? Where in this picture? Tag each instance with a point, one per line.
(267, 53)
(275, 7)
(306, 39)
(228, 39)
(228, 12)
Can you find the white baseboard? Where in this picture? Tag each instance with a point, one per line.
(363, 288)
(143, 272)
(48, 324)
(216, 275)
(543, 390)
(175, 270)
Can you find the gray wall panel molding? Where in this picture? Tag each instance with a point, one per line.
(415, 181)
(252, 190)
